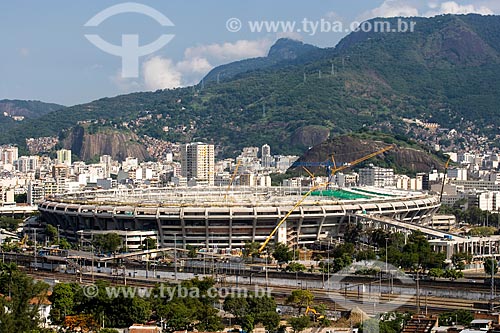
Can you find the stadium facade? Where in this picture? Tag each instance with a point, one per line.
(209, 217)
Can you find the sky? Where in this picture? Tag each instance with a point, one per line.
(45, 52)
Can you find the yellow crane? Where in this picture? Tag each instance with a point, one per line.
(232, 178)
(444, 178)
(301, 200)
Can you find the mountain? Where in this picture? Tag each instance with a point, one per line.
(446, 71)
(27, 109)
(284, 52)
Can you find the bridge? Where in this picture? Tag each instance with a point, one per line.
(18, 210)
(441, 241)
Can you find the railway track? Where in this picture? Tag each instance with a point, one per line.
(335, 300)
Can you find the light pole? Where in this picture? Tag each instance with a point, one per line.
(126, 240)
(36, 264)
(175, 256)
(58, 235)
(386, 255)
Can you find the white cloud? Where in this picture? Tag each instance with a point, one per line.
(160, 73)
(225, 52)
(452, 7)
(392, 8)
(406, 8)
(164, 73)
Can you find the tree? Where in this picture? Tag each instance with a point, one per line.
(237, 306)
(460, 259)
(453, 274)
(352, 232)
(109, 242)
(436, 273)
(282, 253)
(341, 262)
(295, 267)
(270, 320)
(21, 198)
(62, 299)
(149, 243)
(459, 317)
(300, 298)
(366, 255)
(64, 244)
(21, 316)
(299, 323)
(51, 232)
(251, 250)
(247, 323)
(490, 266)
(81, 323)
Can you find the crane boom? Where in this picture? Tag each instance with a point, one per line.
(268, 239)
(362, 159)
(444, 178)
(359, 160)
(232, 178)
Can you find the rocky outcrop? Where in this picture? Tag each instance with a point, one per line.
(349, 148)
(115, 143)
(310, 135)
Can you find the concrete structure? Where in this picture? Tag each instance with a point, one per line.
(443, 222)
(376, 176)
(132, 240)
(64, 156)
(267, 159)
(457, 173)
(198, 162)
(206, 217)
(9, 154)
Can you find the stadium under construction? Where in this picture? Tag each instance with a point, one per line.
(215, 217)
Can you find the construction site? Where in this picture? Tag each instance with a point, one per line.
(212, 217)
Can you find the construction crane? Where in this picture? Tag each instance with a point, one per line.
(314, 188)
(232, 178)
(331, 167)
(444, 179)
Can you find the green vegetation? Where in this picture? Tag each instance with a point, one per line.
(300, 298)
(490, 266)
(250, 311)
(267, 100)
(295, 267)
(282, 253)
(17, 289)
(108, 243)
(9, 223)
(458, 317)
(299, 324)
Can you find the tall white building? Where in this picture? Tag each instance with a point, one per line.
(27, 163)
(198, 162)
(376, 176)
(64, 156)
(457, 173)
(267, 159)
(8, 155)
